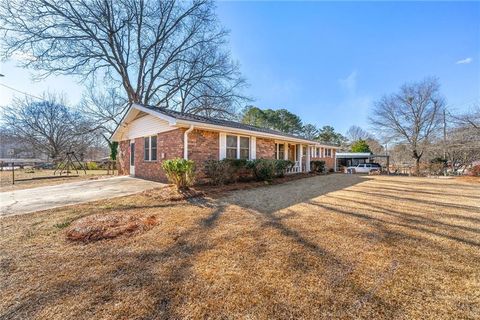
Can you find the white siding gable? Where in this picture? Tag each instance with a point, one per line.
(146, 126)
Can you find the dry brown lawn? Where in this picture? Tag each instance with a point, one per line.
(6, 178)
(337, 246)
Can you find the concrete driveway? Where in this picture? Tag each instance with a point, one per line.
(42, 198)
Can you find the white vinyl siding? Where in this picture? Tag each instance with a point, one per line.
(146, 126)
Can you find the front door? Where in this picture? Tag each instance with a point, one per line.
(132, 158)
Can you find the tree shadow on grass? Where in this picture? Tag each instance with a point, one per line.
(270, 199)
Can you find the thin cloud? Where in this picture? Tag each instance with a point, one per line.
(350, 82)
(464, 61)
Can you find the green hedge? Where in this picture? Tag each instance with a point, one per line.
(229, 170)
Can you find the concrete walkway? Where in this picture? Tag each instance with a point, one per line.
(42, 198)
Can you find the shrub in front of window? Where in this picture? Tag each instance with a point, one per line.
(180, 172)
(281, 167)
(317, 166)
(263, 169)
(219, 172)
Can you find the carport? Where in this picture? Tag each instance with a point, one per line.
(351, 159)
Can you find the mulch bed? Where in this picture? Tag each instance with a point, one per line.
(108, 226)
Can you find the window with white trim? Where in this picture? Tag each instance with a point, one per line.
(279, 151)
(238, 147)
(328, 153)
(150, 148)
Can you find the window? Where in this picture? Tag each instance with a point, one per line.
(328, 152)
(150, 148)
(231, 147)
(238, 147)
(244, 147)
(279, 151)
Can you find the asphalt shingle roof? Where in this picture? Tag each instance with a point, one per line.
(222, 122)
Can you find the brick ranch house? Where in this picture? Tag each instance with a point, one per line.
(147, 135)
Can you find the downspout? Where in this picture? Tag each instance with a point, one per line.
(185, 142)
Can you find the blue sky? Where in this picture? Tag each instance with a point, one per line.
(329, 61)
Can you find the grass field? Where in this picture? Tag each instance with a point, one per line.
(6, 178)
(336, 246)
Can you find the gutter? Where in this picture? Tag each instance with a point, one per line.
(185, 142)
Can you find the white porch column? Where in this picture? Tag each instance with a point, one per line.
(307, 165)
(285, 151)
(300, 157)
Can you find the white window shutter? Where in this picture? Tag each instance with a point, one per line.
(223, 146)
(253, 148)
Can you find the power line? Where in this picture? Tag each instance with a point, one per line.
(19, 91)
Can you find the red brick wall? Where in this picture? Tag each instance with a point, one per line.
(329, 161)
(265, 148)
(202, 145)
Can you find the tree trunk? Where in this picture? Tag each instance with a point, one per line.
(417, 166)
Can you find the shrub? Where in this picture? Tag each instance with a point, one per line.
(475, 171)
(180, 172)
(281, 166)
(317, 166)
(263, 169)
(219, 172)
(437, 166)
(91, 165)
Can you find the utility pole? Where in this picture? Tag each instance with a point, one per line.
(444, 142)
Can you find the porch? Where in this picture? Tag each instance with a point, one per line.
(300, 154)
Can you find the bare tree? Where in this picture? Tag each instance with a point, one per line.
(469, 119)
(410, 116)
(355, 133)
(104, 107)
(48, 126)
(140, 44)
(211, 84)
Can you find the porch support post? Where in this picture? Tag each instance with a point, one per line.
(285, 151)
(307, 165)
(300, 156)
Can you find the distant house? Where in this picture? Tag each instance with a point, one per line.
(147, 135)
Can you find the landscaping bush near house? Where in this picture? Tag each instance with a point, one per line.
(263, 169)
(180, 172)
(281, 167)
(224, 171)
(317, 166)
(219, 172)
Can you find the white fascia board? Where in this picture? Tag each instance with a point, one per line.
(132, 113)
(171, 120)
(213, 127)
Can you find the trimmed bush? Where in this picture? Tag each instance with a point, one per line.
(317, 166)
(219, 172)
(281, 167)
(263, 169)
(180, 172)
